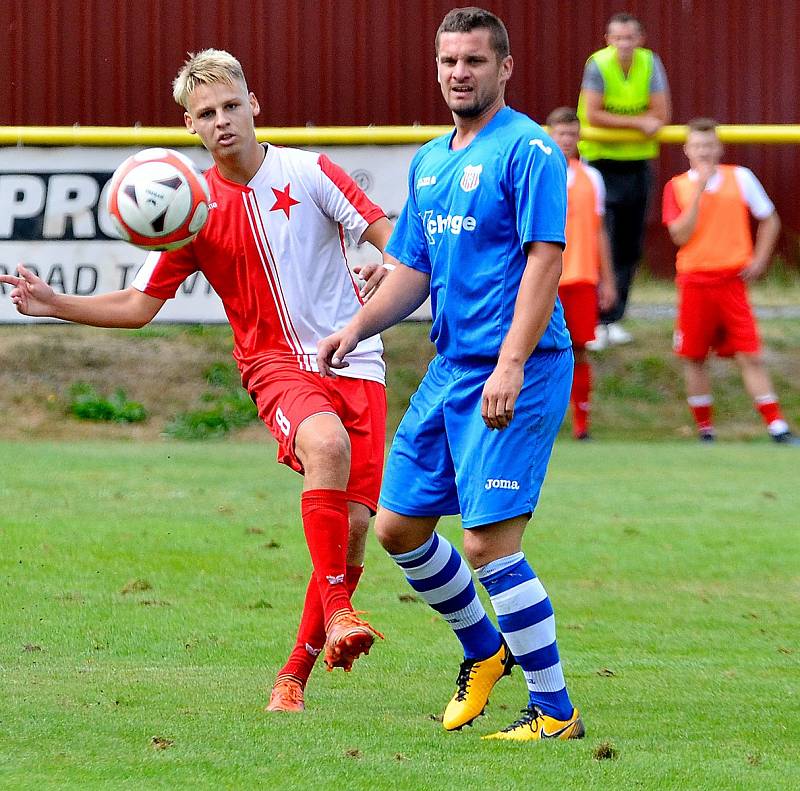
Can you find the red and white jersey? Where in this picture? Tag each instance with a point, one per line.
(273, 250)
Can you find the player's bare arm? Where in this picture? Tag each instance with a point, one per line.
(766, 238)
(658, 113)
(532, 311)
(403, 292)
(607, 287)
(682, 228)
(377, 234)
(127, 309)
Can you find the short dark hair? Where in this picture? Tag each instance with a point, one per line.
(563, 115)
(624, 18)
(702, 125)
(465, 20)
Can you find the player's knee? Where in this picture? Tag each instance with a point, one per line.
(477, 552)
(485, 544)
(388, 533)
(359, 525)
(750, 360)
(330, 449)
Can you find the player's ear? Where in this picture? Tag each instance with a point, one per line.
(187, 119)
(506, 67)
(254, 105)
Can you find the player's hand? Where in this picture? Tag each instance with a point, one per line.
(704, 170)
(753, 270)
(650, 124)
(373, 275)
(606, 295)
(30, 294)
(500, 395)
(331, 351)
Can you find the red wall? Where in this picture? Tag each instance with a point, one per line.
(354, 62)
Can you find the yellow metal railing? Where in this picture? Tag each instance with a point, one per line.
(345, 135)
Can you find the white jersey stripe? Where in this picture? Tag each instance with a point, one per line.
(262, 257)
(274, 269)
(305, 360)
(293, 343)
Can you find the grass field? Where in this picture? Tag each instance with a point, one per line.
(639, 392)
(149, 591)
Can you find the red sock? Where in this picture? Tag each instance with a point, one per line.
(702, 407)
(327, 526)
(769, 408)
(311, 632)
(581, 398)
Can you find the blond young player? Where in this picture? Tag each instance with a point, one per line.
(587, 279)
(707, 212)
(272, 250)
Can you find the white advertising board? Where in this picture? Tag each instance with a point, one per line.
(53, 219)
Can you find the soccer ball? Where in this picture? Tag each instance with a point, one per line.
(158, 199)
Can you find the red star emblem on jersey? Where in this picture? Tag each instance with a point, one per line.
(283, 200)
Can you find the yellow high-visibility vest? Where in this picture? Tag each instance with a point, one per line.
(623, 95)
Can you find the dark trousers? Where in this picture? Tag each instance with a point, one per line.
(627, 190)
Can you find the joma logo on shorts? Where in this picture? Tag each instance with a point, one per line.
(500, 483)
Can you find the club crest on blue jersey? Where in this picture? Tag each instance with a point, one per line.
(471, 178)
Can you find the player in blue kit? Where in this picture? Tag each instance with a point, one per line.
(482, 232)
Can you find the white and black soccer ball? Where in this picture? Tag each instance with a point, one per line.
(158, 199)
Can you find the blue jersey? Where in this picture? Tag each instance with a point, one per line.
(466, 223)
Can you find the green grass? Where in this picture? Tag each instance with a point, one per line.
(152, 590)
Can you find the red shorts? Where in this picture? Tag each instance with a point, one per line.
(715, 315)
(286, 396)
(580, 311)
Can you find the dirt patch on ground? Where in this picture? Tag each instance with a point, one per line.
(161, 368)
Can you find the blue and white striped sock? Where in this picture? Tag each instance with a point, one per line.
(440, 576)
(525, 617)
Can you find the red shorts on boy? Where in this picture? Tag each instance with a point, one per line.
(286, 397)
(579, 301)
(714, 314)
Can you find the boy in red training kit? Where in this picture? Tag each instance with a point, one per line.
(707, 212)
(587, 280)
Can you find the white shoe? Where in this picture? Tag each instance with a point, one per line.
(618, 335)
(600, 341)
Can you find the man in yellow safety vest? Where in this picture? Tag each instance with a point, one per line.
(624, 87)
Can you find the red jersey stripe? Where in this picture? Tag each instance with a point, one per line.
(290, 336)
(358, 200)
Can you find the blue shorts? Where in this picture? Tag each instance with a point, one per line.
(444, 460)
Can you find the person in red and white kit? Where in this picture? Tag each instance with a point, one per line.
(586, 285)
(707, 212)
(273, 250)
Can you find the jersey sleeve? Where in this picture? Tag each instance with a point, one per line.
(344, 201)
(408, 243)
(670, 211)
(754, 193)
(163, 272)
(592, 78)
(538, 186)
(658, 79)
